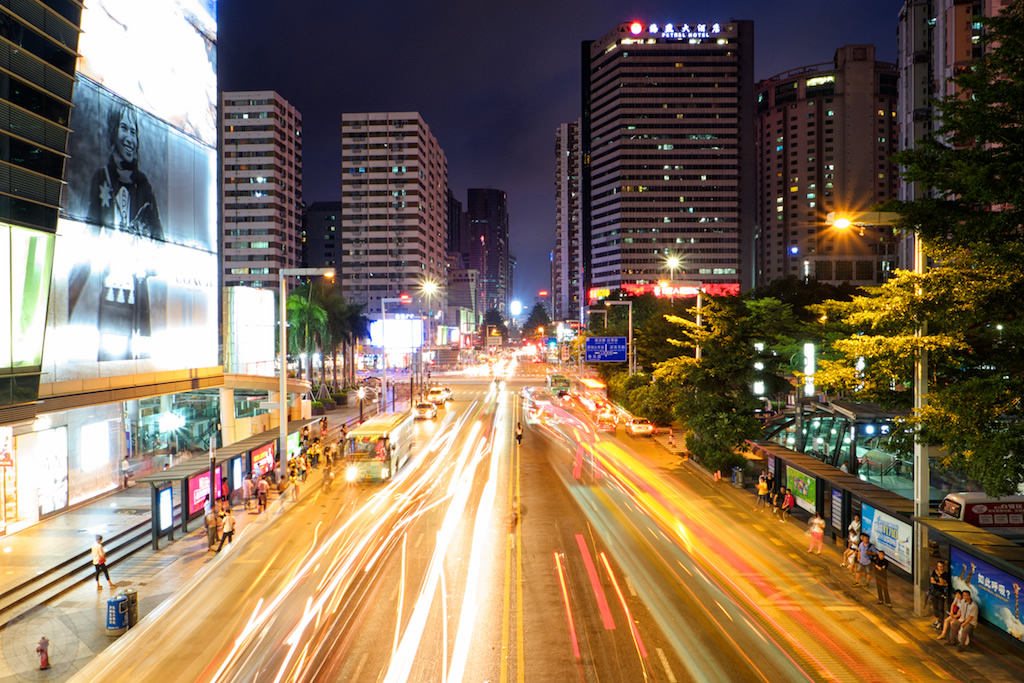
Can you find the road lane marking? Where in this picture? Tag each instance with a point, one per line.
(775, 541)
(664, 663)
(629, 586)
(568, 610)
(595, 584)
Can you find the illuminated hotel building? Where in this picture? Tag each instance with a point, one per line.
(825, 134)
(394, 216)
(567, 259)
(261, 151)
(668, 158)
(130, 363)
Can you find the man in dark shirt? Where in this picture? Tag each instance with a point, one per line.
(938, 593)
(881, 571)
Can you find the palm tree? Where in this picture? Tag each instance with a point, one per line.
(307, 322)
(336, 331)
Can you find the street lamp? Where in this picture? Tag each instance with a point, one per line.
(629, 341)
(922, 468)
(282, 396)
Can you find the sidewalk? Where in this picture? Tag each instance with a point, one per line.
(75, 621)
(990, 652)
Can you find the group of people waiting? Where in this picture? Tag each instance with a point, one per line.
(780, 497)
(957, 621)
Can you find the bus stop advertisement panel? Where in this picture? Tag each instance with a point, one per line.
(199, 490)
(263, 460)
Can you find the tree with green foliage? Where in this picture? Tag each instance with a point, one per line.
(307, 321)
(538, 318)
(713, 395)
(968, 301)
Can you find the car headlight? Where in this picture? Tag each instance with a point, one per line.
(351, 473)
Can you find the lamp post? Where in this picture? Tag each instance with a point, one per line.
(282, 396)
(383, 341)
(922, 468)
(672, 262)
(361, 394)
(629, 340)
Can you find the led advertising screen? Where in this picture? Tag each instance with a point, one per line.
(135, 265)
(166, 498)
(804, 488)
(251, 326)
(397, 333)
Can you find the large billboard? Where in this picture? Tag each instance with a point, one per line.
(997, 593)
(135, 266)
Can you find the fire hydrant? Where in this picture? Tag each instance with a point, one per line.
(43, 648)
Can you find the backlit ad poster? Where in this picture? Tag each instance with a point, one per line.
(997, 593)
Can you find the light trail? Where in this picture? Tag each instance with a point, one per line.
(568, 609)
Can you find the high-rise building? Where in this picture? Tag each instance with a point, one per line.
(825, 134)
(487, 212)
(130, 366)
(667, 141)
(567, 259)
(394, 218)
(34, 102)
(261, 152)
(321, 235)
(936, 40)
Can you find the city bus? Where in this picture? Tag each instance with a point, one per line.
(376, 449)
(557, 382)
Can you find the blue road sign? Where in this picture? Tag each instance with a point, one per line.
(606, 350)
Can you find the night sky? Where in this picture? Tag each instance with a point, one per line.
(493, 80)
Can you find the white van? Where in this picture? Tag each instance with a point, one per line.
(1003, 516)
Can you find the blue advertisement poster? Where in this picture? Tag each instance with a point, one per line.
(887, 533)
(997, 593)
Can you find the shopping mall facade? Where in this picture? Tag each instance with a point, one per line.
(109, 223)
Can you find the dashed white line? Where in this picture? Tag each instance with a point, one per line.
(664, 663)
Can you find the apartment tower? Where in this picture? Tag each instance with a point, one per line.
(261, 200)
(394, 215)
(567, 258)
(825, 134)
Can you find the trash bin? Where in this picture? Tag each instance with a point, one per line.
(117, 615)
(133, 605)
(737, 477)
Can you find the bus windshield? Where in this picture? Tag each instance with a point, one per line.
(369, 447)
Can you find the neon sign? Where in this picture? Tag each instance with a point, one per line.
(686, 31)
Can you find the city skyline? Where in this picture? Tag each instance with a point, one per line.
(495, 82)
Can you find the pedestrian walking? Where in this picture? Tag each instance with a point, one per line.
(294, 484)
(99, 561)
(229, 530)
(126, 471)
(787, 504)
(519, 433)
(43, 649)
(762, 495)
(938, 593)
(262, 488)
(246, 491)
(881, 572)
(816, 530)
(864, 553)
(211, 526)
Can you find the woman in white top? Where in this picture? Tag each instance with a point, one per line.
(954, 613)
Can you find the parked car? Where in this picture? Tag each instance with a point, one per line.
(639, 426)
(436, 395)
(424, 411)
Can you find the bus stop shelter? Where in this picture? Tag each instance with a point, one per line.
(229, 465)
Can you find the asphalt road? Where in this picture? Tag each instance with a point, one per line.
(576, 556)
